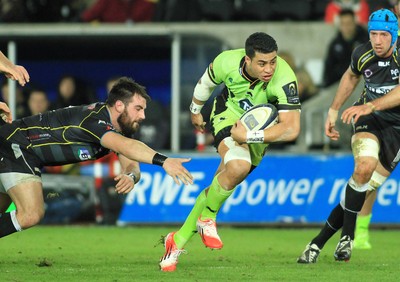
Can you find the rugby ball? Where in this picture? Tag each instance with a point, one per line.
(260, 117)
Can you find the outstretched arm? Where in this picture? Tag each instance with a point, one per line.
(5, 112)
(140, 152)
(12, 71)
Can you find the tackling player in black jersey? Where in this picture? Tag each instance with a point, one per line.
(69, 135)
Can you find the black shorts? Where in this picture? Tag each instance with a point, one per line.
(388, 135)
(14, 158)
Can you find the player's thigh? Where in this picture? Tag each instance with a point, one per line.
(27, 196)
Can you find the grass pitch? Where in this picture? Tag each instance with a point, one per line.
(93, 253)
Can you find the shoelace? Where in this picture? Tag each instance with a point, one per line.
(313, 254)
(177, 253)
(173, 255)
(343, 243)
(342, 247)
(211, 231)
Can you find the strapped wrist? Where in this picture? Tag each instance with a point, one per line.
(195, 108)
(132, 175)
(371, 106)
(159, 159)
(255, 136)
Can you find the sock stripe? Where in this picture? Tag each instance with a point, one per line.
(335, 229)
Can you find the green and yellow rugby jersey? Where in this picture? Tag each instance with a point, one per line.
(242, 91)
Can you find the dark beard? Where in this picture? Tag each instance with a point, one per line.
(126, 128)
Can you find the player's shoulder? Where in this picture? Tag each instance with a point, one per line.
(90, 113)
(234, 55)
(283, 65)
(363, 50)
(227, 62)
(362, 55)
(96, 110)
(284, 70)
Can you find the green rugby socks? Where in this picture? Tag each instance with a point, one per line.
(216, 196)
(188, 229)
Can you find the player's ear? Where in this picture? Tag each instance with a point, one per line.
(119, 106)
(247, 59)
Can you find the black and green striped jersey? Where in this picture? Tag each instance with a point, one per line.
(62, 136)
(380, 75)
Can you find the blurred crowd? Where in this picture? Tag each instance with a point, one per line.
(112, 11)
(348, 16)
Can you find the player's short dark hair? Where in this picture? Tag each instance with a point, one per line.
(260, 42)
(347, 12)
(124, 89)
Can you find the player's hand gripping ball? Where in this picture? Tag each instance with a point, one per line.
(260, 117)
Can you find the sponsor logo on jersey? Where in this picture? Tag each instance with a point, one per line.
(291, 92)
(84, 154)
(379, 90)
(383, 64)
(368, 73)
(395, 74)
(361, 127)
(38, 137)
(245, 104)
(108, 125)
(365, 58)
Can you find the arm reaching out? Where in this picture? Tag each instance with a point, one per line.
(14, 72)
(5, 113)
(140, 152)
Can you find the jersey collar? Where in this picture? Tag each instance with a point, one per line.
(245, 74)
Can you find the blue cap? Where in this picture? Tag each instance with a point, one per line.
(385, 20)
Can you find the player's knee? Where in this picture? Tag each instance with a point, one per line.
(363, 171)
(366, 155)
(238, 170)
(30, 218)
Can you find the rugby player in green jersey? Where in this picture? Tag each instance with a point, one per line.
(251, 76)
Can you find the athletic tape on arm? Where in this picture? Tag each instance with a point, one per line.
(204, 88)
